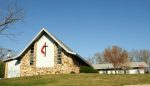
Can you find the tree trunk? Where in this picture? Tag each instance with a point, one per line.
(124, 71)
(115, 71)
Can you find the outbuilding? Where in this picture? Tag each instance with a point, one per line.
(133, 68)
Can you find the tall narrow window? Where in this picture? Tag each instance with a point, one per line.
(32, 55)
(59, 51)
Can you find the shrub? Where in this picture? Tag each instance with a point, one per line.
(72, 72)
(85, 69)
(2, 69)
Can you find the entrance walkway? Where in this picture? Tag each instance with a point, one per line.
(138, 85)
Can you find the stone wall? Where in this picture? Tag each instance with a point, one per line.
(25, 68)
(69, 64)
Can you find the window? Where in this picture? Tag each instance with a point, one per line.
(59, 50)
(32, 49)
(59, 61)
(32, 55)
(31, 60)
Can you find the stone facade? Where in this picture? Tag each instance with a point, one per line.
(60, 59)
(70, 63)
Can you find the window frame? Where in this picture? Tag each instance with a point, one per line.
(59, 55)
(32, 55)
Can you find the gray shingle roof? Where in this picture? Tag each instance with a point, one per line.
(103, 66)
(110, 66)
(62, 43)
(65, 47)
(138, 64)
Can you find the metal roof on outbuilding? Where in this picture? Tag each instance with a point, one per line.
(110, 66)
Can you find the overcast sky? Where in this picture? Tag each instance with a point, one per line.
(86, 26)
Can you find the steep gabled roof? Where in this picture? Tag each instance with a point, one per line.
(53, 37)
(60, 43)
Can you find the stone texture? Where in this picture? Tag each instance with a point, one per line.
(70, 63)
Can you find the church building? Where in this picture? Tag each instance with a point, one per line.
(45, 54)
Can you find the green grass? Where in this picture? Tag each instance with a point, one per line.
(77, 80)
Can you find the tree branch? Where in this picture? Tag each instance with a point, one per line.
(14, 15)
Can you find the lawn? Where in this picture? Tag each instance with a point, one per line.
(77, 80)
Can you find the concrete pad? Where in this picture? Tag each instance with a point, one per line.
(139, 85)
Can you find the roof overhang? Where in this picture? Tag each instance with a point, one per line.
(37, 36)
(66, 48)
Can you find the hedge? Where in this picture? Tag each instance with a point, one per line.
(2, 69)
(85, 69)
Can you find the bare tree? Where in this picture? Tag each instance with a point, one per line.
(134, 56)
(144, 55)
(139, 55)
(91, 60)
(126, 66)
(6, 53)
(115, 55)
(9, 16)
(97, 58)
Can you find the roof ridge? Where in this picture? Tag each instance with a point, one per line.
(65, 47)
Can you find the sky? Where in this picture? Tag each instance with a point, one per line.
(86, 26)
